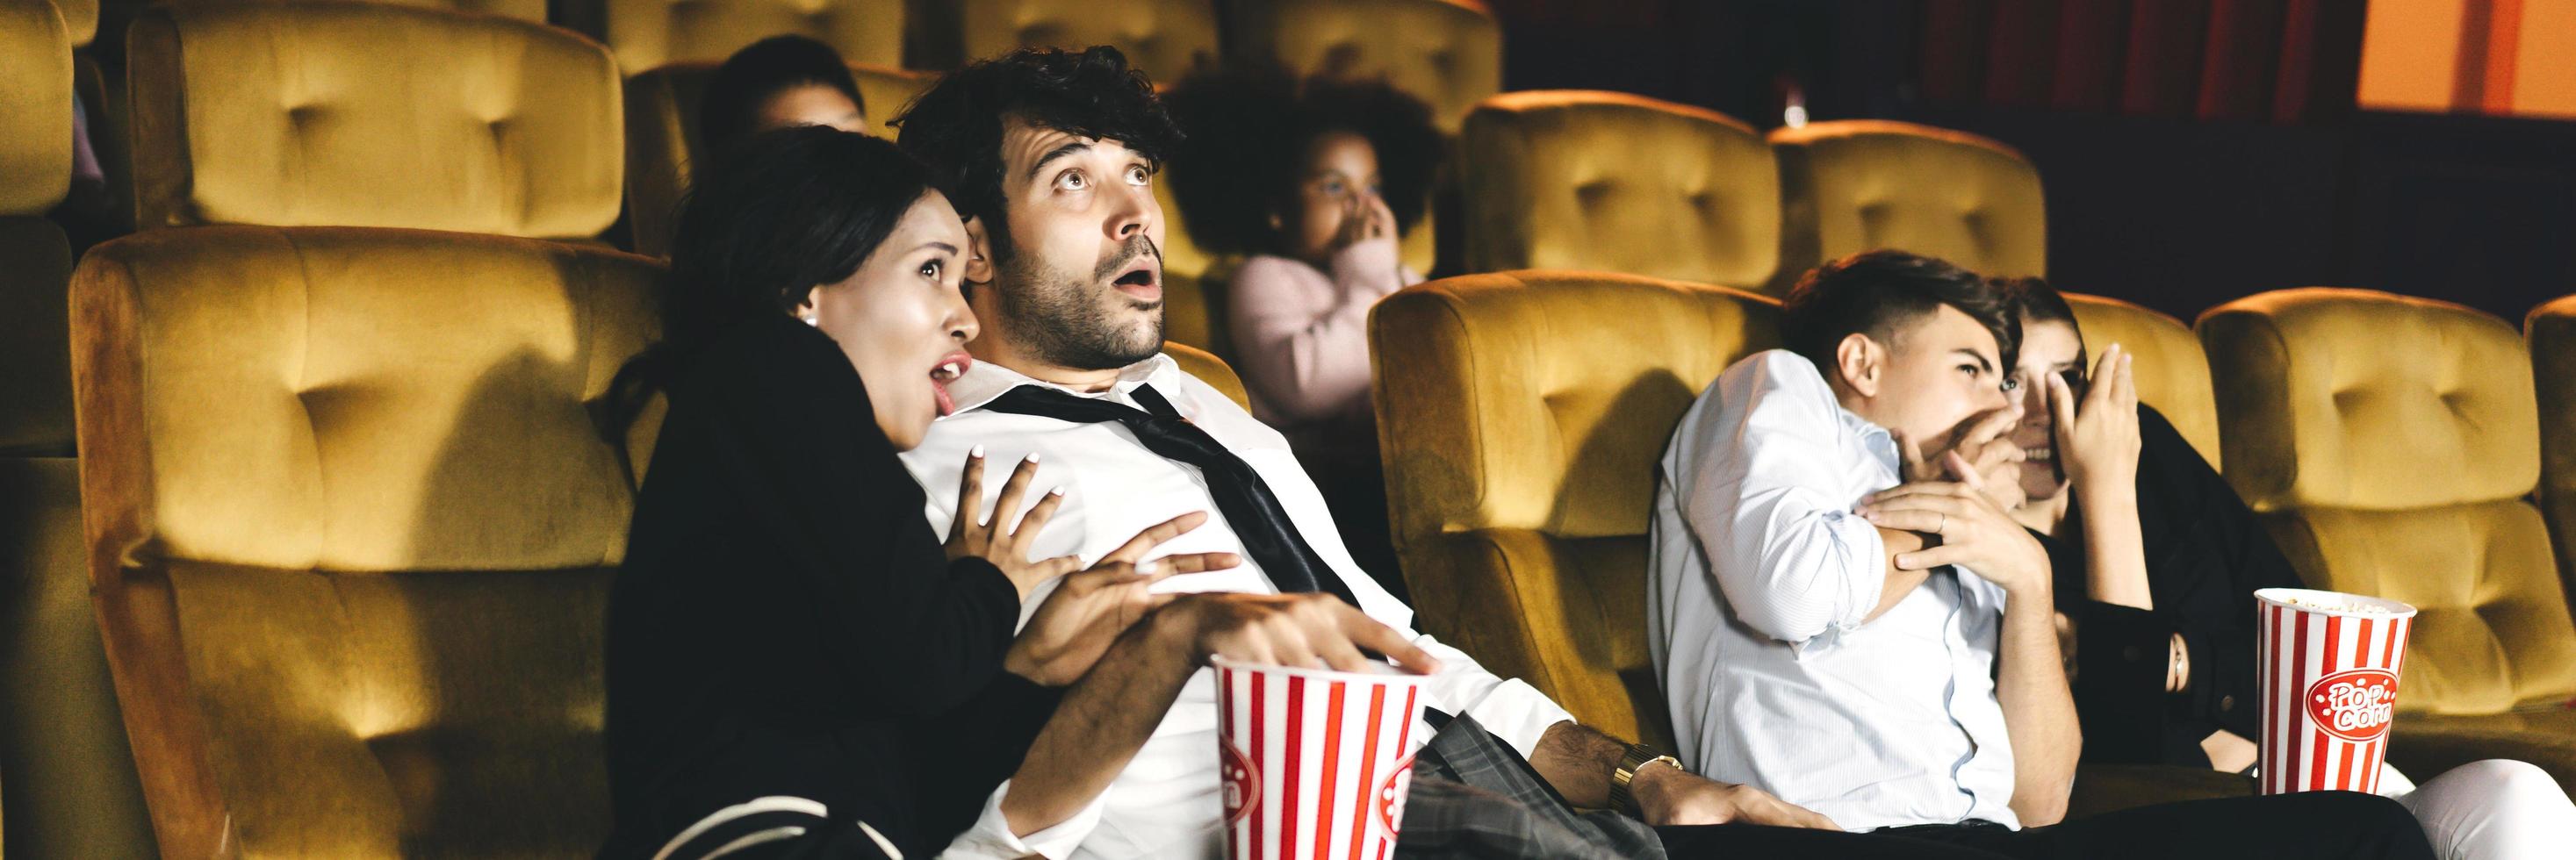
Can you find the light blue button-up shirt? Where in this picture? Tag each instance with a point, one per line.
(1758, 614)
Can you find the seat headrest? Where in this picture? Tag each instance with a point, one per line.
(359, 114)
(1572, 381)
(648, 34)
(36, 97)
(1166, 39)
(2361, 399)
(1448, 53)
(1565, 179)
(356, 399)
(1856, 185)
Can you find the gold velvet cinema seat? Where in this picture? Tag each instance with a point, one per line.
(650, 34)
(70, 788)
(1855, 185)
(1449, 53)
(662, 135)
(350, 529)
(2550, 329)
(1167, 39)
(2172, 372)
(357, 114)
(1521, 415)
(1563, 179)
(2389, 443)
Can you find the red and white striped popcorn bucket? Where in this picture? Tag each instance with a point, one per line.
(2328, 685)
(1316, 762)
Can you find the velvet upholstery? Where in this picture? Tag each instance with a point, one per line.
(349, 528)
(650, 34)
(1209, 369)
(36, 97)
(1567, 179)
(1449, 53)
(1521, 415)
(358, 114)
(662, 136)
(2172, 373)
(2390, 444)
(1167, 39)
(1854, 185)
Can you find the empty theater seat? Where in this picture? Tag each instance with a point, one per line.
(1166, 38)
(2171, 372)
(351, 531)
(1564, 179)
(357, 114)
(2550, 329)
(1521, 415)
(662, 135)
(35, 258)
(2389, 443)
(70, 789)
(649, 34)
(1449, 53)
(1855, 185)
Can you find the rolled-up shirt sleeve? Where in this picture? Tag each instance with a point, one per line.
(991, 837)
(1793, 560)
(1509, 709)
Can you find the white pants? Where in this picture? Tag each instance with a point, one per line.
(2495, 809)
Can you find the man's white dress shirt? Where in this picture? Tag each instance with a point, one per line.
(1165, 804)
(1762, 579)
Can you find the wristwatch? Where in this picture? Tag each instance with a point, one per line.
(1638, 756)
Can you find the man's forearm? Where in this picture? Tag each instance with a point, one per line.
(1105, 718)
(1899, 582)
(1576, 760)
(2039, 712)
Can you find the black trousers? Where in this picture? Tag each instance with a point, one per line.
(2326, 824)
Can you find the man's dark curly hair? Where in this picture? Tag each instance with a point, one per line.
(956, 127)
(1249, 131)
(1874, 292)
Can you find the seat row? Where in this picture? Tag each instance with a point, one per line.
(2391, 445)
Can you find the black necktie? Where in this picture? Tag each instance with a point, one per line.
(1249, 507)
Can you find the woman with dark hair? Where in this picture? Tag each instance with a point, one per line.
(2157, 560)
(796, 665)
(779, 82)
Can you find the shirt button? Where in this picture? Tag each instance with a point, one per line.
(2129, 653)
(2227, 703)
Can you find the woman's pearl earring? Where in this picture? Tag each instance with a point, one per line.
(810, 320)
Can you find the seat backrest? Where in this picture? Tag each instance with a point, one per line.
(35, 260)
(36, 96)
(351, 528)
(1167, 39)
(1448, 53)
(1521, 415)
(2390, 442)
(1573, 179)
(2172, 373)
(1855, 185)
(367, 115)
(2550, 330)
(662, 136)
(650, 34)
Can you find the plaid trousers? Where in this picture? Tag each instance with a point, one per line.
(1473, 796)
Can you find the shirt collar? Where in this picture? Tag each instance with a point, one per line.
(985, 381)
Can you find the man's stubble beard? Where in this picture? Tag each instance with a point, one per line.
(1059, 320)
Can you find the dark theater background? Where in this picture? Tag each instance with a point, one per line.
(2193, 151)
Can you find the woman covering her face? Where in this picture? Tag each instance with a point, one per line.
(2157, 561)
(797, 665)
